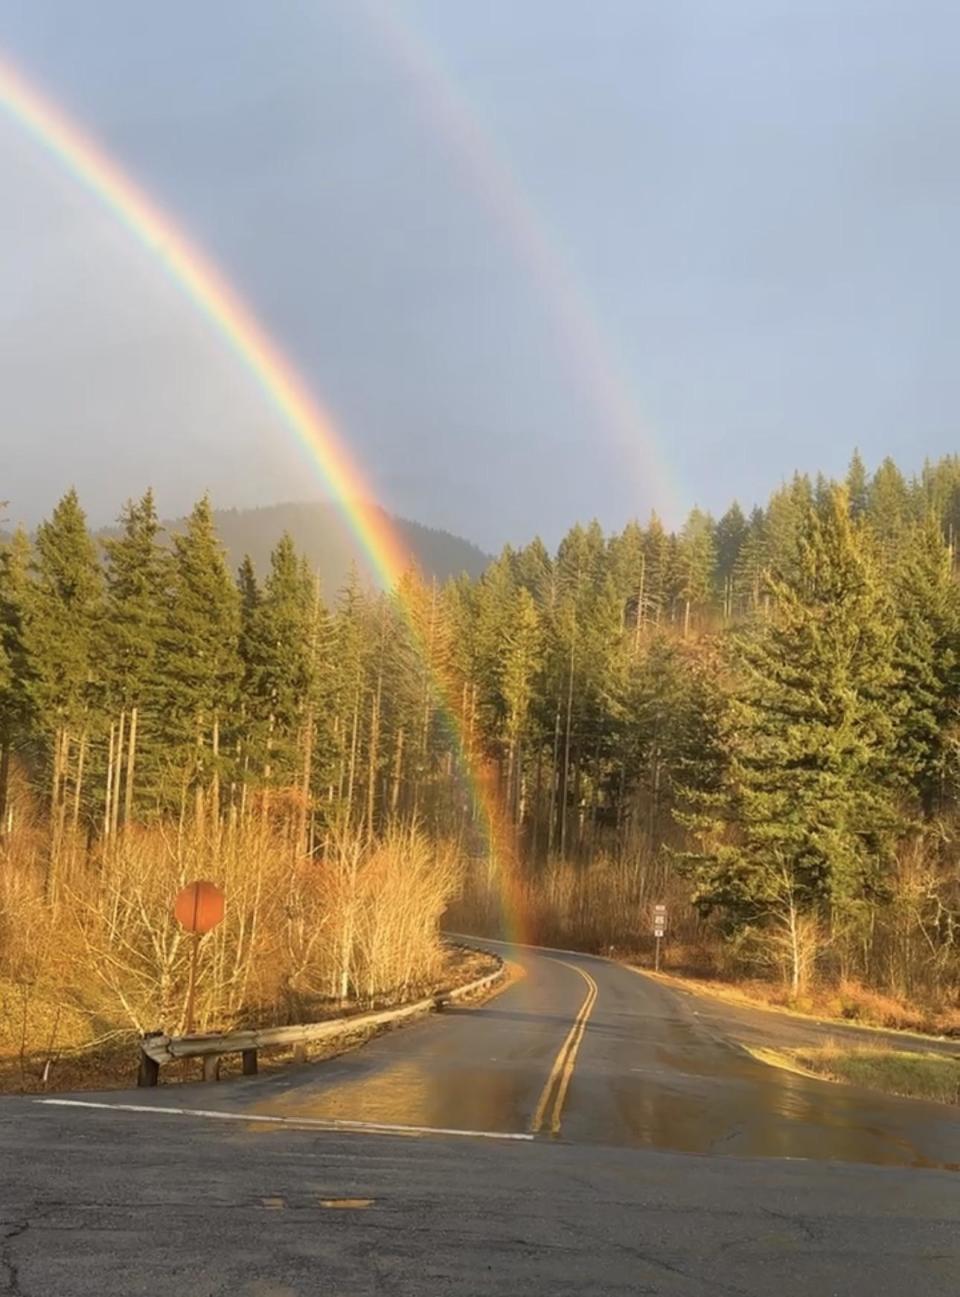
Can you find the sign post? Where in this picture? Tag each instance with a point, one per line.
(659, 929)
(198, 908)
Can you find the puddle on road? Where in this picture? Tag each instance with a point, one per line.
(412, 1094)
(723, 1102)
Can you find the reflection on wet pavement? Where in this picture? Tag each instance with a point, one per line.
(411, 1093)
(690, 1091)
(650, 1073)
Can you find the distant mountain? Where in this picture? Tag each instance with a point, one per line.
(319, 531)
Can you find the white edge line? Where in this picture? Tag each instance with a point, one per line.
(317, 1123)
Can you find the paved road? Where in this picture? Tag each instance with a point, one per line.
(589, 1088)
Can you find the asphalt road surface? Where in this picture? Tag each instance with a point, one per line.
(589, 1131)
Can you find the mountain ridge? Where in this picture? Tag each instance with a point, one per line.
(322, 534)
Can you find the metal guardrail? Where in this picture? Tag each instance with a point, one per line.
(157, 1048)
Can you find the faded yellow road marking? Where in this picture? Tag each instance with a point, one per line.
(355, 1204)
(554, 1093)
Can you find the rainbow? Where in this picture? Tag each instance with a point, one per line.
(233, 319)
(590, 351)
(198, 277)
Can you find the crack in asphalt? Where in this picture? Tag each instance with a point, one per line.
(631, 1249)
(8, 1267)
(799, 1221)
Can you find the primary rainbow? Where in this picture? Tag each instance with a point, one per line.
(197, 276)
(218, 301)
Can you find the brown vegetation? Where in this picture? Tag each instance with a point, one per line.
(354, 927)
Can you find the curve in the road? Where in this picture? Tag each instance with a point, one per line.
(633, 1063)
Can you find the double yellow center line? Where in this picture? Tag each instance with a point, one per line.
(554, 1093)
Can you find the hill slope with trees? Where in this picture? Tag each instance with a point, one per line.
(753, 719)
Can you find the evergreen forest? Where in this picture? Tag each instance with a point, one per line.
(752, 719)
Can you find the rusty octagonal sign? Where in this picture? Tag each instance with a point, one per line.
(199, 906)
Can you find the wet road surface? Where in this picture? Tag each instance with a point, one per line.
(597, 1075)
(651, 1067)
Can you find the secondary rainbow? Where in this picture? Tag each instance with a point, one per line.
(591, 352)
(198, 276)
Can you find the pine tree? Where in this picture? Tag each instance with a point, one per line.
(61, 616)
(889, 505)
(137, 575)
(807, 814)
(278, 666)
(697, 564)
(752, 567)
(786, 512)
(731, 534)
(669, 735)
(857, 486)
(199, 662)
(927, 657)
(15, 708)
(517, 671)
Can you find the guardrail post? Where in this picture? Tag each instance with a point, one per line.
(300, 1052)
(249, 1062)
(148, 1072)
(211, 1067)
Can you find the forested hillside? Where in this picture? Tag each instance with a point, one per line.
(322, 535)
(753, 719)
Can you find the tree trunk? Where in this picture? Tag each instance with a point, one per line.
(215, 781)
(641, 603)
(118, 769)
(78, 783)
(354, 745)
(131, 760)
(566, 746)
(5, 746)
(372, 763)
(554, 782)
(397, 771)
(108, 792)
(306, 778)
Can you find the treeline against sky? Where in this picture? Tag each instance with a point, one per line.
(756, 713)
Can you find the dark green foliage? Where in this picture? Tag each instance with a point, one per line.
(14, 659)
(137, 576)
(62, 610)
(785, 684)
(810, 736)
(927, 657)
(277, 653)
(198, 658)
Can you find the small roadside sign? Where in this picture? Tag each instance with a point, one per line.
(198, 908)
(659, 930)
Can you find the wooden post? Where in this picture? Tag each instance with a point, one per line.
(192, 987)
(149, 1071)
(211, 1067)
(300, 1052)
(249, 1062)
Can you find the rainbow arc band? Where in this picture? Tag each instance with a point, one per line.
(77, 153)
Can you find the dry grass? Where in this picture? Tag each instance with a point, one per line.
(849, 1002)
(301, 939)
(894, 1071)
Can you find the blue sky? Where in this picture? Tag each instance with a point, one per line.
(752, 205)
